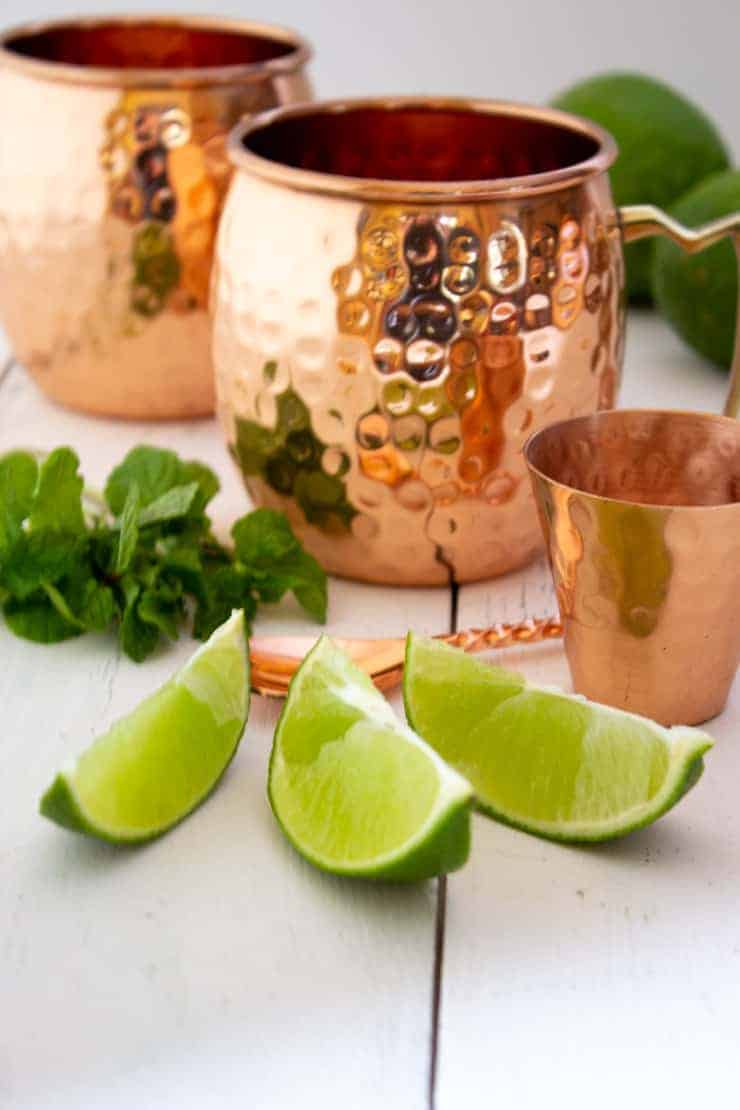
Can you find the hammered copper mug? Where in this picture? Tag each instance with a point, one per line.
(112, 175)
(406, 290)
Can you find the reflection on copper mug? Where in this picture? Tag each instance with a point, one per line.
(641, 514)
(112, 175)
(406, 290)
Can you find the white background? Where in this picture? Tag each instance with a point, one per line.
(511, 49)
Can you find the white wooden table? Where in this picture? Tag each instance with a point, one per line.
(215, 969)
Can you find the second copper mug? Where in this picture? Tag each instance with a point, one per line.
(407, 289)
(112, 175)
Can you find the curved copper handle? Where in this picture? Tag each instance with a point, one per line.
(638, 221)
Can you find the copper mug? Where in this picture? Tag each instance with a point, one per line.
(406, 290)
(641, 514)
(112, 176)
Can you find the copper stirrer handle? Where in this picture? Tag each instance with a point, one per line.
(533, 630)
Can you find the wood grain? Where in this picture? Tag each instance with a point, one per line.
(605, 976)
(215, 969)
(212, 968)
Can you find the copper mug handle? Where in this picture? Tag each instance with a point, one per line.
(638, 221)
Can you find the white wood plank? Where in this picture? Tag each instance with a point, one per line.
(609, 976)
(213, 968)
(662, 372)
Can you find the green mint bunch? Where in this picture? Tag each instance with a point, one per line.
(144, 560)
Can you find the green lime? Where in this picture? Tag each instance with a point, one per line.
(550, 763)
(162, 760)
(666, 145)
(698, 293)
(353, 788)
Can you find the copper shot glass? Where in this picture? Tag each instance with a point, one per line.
(113, 169)
(641, 515)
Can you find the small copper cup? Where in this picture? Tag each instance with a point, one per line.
(641, 514)
(112, 174)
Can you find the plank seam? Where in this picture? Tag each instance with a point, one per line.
(439, 943)
(440, 923)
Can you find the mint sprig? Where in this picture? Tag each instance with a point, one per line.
(146, 561)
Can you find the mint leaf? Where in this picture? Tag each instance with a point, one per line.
(263, 538)
(156, 472)
(18, 477)
(175, 503)
(275, 561)
(163, 608)
(226, 589)
(80, 600)
(91, 603)
(57, 503)
(37, 619)
(38, 557)
(102, 547)
(308, 583)
(300, 573)
(208, 483)
(153, 469)
(59, 602)
(129, 534)
(98, 606)
(60, 575)
(137, 637)
(183, 565)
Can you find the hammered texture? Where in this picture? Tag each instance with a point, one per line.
(380, 366)
(109, 202)
(641, 512)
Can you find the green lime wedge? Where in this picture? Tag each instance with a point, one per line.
(162, 760)
(353, 788)
(550, 763)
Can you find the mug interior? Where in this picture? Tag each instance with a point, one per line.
(147, 44)
(420, 143)
(643, 457)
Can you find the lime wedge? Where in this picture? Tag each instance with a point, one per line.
(162, 760)
(551, 763)
(353, 788)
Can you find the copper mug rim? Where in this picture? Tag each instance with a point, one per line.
(292, 52)
(560, 427)
(600, 158)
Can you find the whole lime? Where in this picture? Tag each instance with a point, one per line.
(698, 293)
(666, 145)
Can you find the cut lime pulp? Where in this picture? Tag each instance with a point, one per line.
(551, 763)
(353, 788)
(158, 763)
